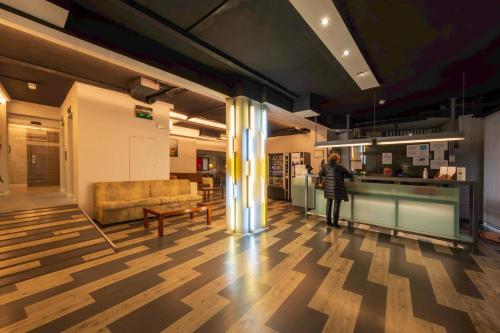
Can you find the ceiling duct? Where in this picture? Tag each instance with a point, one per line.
(143, 87)
(211, 133)
(289, 131)
(149, 91)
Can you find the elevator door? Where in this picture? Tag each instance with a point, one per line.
(43, 165)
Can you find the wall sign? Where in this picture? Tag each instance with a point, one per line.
(439, 146)
(143, 112)
(438, 164)
(439, 155)
(174, 147)
(421, 150)
(421, 160)
(386, 158)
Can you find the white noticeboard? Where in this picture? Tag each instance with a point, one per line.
(386, 158)
(295, 158)
(422, 160)
(439, 155)
(438, 164)
(421, 150)
(356, 165)
(461, 172)
(439, 146)
(300, 170)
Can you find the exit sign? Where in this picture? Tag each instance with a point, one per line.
(143, 112)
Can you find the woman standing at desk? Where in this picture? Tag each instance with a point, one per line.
(333, 174)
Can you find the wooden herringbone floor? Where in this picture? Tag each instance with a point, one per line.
(297, 276)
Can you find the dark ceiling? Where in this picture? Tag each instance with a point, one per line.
(24, 58)
(420, 52)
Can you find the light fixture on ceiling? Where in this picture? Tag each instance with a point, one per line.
(177, 115)
(196, 120)
(346, 53)
(344, 143)
(207, 122)
(362, 74)
(381, 102)
(325, 21)
(32, 86)
(421, 138)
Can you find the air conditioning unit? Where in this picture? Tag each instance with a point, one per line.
(143, 87)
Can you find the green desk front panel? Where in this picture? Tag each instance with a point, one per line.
(345, 208)
(436, 219)
(298, 193)
(375, 210)
(428, 210)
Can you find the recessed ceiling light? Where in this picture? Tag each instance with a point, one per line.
(32, 86)
(346, 53)
(381, 102)
(362, 74)
(324, 21)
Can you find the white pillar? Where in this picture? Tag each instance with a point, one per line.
(246, 165)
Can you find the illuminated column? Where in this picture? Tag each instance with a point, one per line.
(246, 165)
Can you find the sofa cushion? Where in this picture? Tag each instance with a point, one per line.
(120, 204)
(121, 191)
(160, 188)
(179, 198)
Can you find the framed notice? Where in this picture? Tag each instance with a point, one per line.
(439, 155)
(439, 146)
(386, 158)
(438, 164)
(421, 160)
(421, 150)
(319, 153)
(174, 147)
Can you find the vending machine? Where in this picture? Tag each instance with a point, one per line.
(281, 171)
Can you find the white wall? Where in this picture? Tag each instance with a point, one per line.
(104, 128)
(4, 187)
(491, 213)
(33, 110)
(186, 161)
(298, 143)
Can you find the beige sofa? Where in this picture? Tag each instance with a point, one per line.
(123, 201)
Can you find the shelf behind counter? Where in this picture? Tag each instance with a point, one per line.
(428, 207)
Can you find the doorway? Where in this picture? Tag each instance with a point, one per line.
(34, 157)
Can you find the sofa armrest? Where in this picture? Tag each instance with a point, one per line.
(193, 188)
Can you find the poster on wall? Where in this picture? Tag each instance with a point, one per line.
(356, 165)
(420, 160)
(386, 158)
(438, 164)
(421, 150)
(439, 146)
(174, 147)
(439, 155)
(295, 158)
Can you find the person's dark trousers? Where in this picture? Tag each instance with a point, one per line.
(336, 211)
(329, 206)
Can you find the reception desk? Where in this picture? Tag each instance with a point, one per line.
(426, 207)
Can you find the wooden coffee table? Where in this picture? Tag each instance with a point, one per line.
(207, 191)
(160, 212)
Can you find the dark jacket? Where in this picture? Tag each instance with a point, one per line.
(333, 175)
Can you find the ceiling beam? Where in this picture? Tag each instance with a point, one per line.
(72, 77)
(207, 16)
